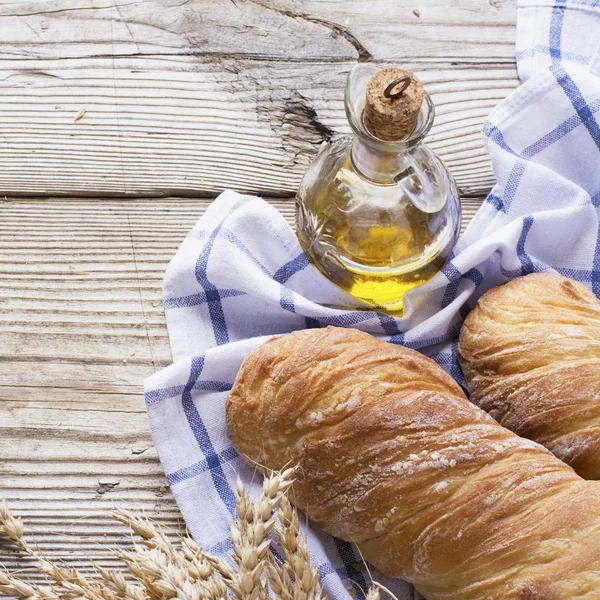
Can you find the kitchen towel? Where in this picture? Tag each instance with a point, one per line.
(240, 276)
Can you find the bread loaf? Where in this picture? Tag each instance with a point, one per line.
(530, 352)
(392, 456)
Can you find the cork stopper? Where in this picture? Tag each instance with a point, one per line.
(391, 111)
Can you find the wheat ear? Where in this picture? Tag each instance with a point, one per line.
(73, 583)
(301, 578)
(11, 586)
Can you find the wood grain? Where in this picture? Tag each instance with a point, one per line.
(265, 29)
(81, 326)
(192, 97)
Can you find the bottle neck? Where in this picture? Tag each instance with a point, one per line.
(376, 165)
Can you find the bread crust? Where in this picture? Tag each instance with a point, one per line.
(530, 353)
(392, 456)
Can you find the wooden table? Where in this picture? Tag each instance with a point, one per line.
(182, 99)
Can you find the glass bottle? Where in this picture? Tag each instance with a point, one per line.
(377, 217)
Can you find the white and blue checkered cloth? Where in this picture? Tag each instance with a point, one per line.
(240, 275)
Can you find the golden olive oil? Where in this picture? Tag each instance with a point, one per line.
(375, 249)
(377, 212)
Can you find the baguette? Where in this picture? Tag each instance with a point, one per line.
(392, 456)
(530, 352)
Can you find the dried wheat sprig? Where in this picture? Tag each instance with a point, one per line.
(250, 534)
(155, 539)
(47, 593)
(163, 577)
(373, 593)
(196, 557)
(204, 565)
(154, 571)
(279, 579)
(11, 526)
(11, 586)
(303, 578)
(250, 542)
(73, 583)
(152, 536)
(115, 581)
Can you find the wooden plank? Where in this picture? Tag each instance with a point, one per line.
(218, 94)
(264, 29)
(81, 326)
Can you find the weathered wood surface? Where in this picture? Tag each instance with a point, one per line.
(182, 98)
(191, 97)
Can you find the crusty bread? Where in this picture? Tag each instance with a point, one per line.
(393, 456)
(530, 352)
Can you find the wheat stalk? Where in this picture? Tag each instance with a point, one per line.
(164, 571)
(299, 577)
(11, 586)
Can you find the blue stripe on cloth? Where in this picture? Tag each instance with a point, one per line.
(220, 548)
(589, 3)
(586, 114)
(538, 267)
(348, 319)
(578, 101)
(455, 278)
(512, 184)
(200, 467)
(526, 262)
(449, 362)
(213, 298)
(451, 272)
(464, 310)
(154, 396)
(197, 299)
(453, 331)
(596, 265)
(541, 49)
(595, 275)
(349, 559)
(495, 201)
(213, 386)
(476, 277)
(163, 393)
(556, 24)
(453, 275)
(291, 268)
(556, 134)
(494, 134)
(203, 439)
(398, 339)
(581, 275)
(455, 369)
(228, 235)
(388, 324)
(286, 299)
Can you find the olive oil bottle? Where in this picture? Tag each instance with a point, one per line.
(377, 212)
